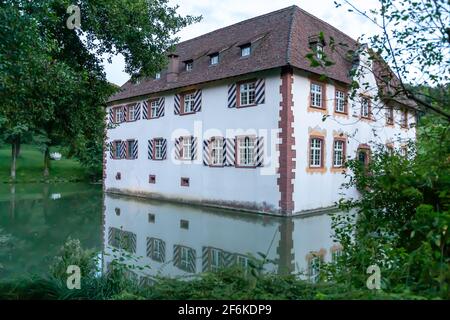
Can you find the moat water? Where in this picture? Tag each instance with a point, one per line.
(163, 238)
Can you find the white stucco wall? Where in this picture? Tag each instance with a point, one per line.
(253, 186)
(322, 189)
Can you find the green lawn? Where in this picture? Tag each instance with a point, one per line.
(30, 167)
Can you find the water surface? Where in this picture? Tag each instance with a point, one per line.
(163, 238)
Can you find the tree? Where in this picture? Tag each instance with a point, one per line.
(414, 39)
(27, 70)
(72, 96)
(400, 219)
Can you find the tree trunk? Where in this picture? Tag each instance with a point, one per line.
(47, 162)
(19, 144)
(12, 207)
(14, 144)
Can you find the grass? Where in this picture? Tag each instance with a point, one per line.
(30, 167)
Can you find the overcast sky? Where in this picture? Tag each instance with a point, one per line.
(220, 13)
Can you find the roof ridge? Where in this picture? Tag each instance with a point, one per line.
(239, 23)
(291, 23)
(324, 22)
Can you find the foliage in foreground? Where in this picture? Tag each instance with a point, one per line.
(232, 283)
(400, 222)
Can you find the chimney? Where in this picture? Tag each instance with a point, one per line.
(174, 68)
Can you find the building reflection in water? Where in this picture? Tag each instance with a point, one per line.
(178, 240)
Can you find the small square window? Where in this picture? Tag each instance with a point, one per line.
(151, 218)
(185, 182)
(246, 50)
(118, 176)
(117, 211)
(189, 65)
(184, 224)
(158, 75)
(214, 59)
(152, 179)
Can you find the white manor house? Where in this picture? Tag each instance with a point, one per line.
(240, 119)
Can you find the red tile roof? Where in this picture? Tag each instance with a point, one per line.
(279, 38)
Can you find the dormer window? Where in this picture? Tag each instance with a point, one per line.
(316, 43)
(246, 50)
(214, 59)
(188, 65)
(319, 51)
(158, 75)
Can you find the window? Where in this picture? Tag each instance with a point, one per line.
(319, 51)
(404, 119)
(316, 95)
(118, 176)
(217, 151)
(315, 154)
(214, 59)
(158, 75)
(189, 101)
(130, 146)
(152, 179)
(335, 255)
(184, 258)
(216, 256)
(364, 156)
(246, 151)
(185, 183)
(117, 211)
(247, 94)
(338, 153)
(314, 268)
(403, 151)
(390, 115)
(365, 107)
(242, 262)
(154, 106)
(184, 224)
(188, 65)
(159, 149)
(158, 250)
(186, 148)
(151, 218)
(246, 50)
(340, 101)
(131, 112)
(118, 114)
(390, 149)
(117, 147)
(122, 239)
